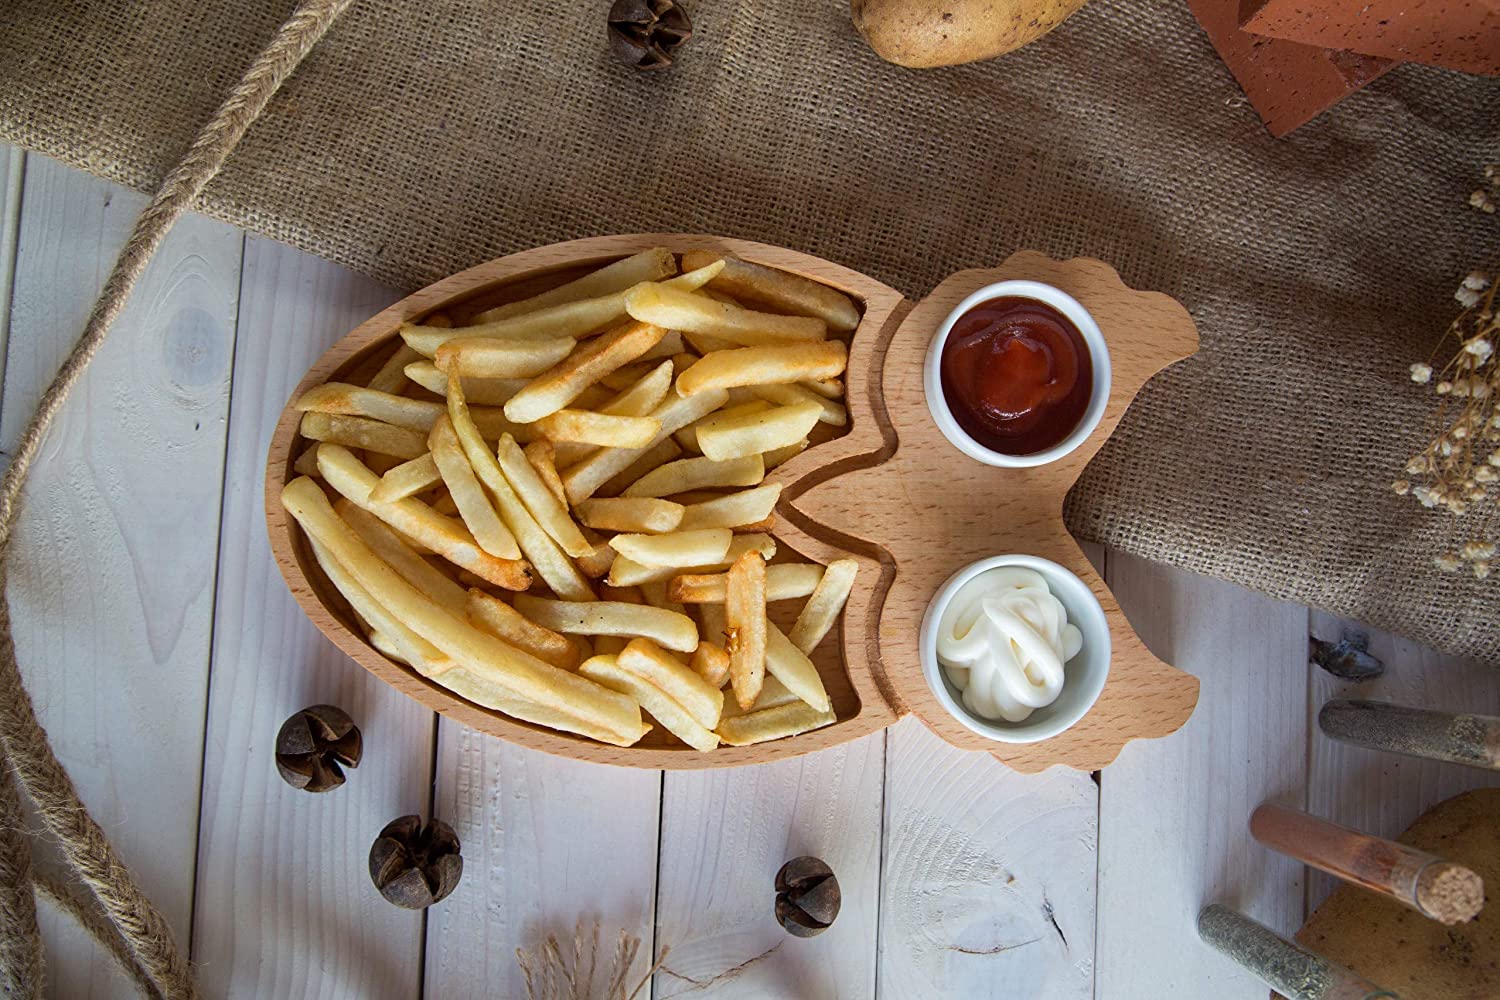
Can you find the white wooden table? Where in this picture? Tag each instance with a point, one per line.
(163, 652)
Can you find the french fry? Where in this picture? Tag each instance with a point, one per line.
(681, 310)
(668, 347)
(408, 646)
(479, 652)
(825, 604)
(594, 563)
(723, 438)
(505, 622)
(606, 670)
(773, 724)
(493, 358)
(386, 543)
(561, 384)
(714, 627)
(745, 618)
(380, 464)
(833, 413)
(776, 456)
(543, 458)
(585, 478)
(599, 561)
(599, 429)
(678, 548)
(655, 594)
(626, 572)
(362, 432)
(354, 400)
(648, 265)
(698, 474)
(757, 366)
(407, 480)
(779, 290)
(642, 396)
(629, 573)
(392, 375)
(784, 582)
(550, 513)
(550, 562)
(772, 694)
(790, 666)
(735, 510)
(711, 663)
(473, 505)
(707, 343)
(448, 538)
(668, 628)
(307, 462)
(832, 388)
(652, 458)
(575, 319)
(481, 690)
(649, 662)
(633, 514)
(478, 391)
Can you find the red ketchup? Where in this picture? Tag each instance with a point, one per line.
(1017, 375)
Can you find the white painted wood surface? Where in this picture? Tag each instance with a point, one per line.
(157, 638)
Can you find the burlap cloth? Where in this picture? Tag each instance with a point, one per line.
(421, 138)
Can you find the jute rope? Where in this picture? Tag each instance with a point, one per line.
(127, 925)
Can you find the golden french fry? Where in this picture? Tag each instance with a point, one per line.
(406, 644)
(670, 629)
(550, 513)
(443, 504)
(448, 538)
(392, 375)
(380, 464)
(585, 478)
(505, 622)
(711, 663)
(543, 458)
(561, 384)
(635, 514)
(784, 582)
(362, 432)
(714, 627)
(648, 265)
(763, 366)
(823, 607)
(628, 573)
(678, 548)
(492, 358)
(791, 394)
(779, 290)
(649, 662)
(655, 593)
(574, 319)
(643, 396)
(653, 458)
(773, 724)
(790, 666)
(745, 618)
(386, 543)
(726, 437)
(623, 378)
(832, 388)
(307, 462)
(478, 391)
(707, 343)
(776, 456)
(606, 670)
(594, 563)
(681, 310)
(698, 474)
(550, 562)
(668, 347)
(734, 510)
(599, 429)
(479, 653)
(463, 486)
(354, 400)
(481, 690)
(407, 480)
(772, 694)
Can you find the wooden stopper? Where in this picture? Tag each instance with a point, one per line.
(1446, 892)
(1418, 732)
(1288, 968)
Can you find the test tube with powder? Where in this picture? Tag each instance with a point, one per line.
(1446, 892)
(1288, 968)
(1463, 739)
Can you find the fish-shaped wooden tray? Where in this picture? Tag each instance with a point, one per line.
(889, 491)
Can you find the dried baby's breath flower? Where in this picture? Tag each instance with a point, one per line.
(1447, 562)
(1401, 487)
(1481, 569)
(1421, 373)
(1478, 550)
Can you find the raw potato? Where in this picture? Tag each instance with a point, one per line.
(926, 33)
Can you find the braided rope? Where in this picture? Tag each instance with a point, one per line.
(23, 741)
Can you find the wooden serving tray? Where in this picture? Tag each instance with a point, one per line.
(889, 491)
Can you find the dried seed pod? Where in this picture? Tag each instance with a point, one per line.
(414, 865)
(1349, 659)
(312, 744)
(807, 896)
(647, 33)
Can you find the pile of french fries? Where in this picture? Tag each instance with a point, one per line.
(526, 507)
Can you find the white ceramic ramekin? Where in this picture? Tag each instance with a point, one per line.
(1083, 675)
(932, 379)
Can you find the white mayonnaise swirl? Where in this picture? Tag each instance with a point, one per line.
(1003, 640)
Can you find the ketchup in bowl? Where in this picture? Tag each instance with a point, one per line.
(1016, 375)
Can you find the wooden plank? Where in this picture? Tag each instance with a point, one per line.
(725, 833)
(1379, 792)
(111, 579)
(12, 168)
(1174, 813)
(547, 842)
(285, 906)
(989, 876)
